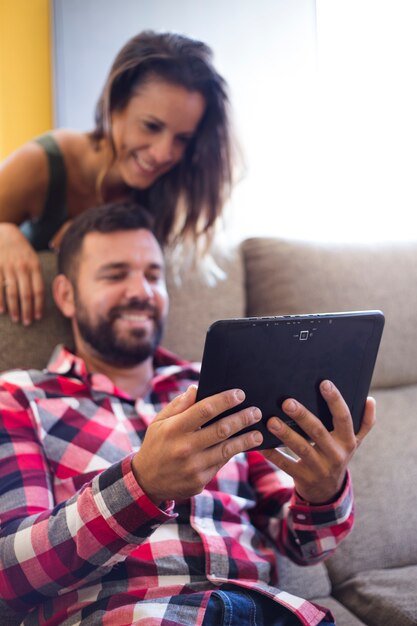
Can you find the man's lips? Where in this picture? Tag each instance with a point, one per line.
(134, 317)
(141, 315)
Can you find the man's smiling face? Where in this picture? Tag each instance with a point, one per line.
(120, 296)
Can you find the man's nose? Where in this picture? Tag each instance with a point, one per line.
(139, 287)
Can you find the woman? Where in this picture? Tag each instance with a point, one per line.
(161, 135)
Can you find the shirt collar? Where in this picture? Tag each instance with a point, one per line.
(65, 363)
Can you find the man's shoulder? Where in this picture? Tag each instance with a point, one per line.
(19, 387)
(59, 364)
(22, 378)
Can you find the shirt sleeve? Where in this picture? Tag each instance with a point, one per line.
(47, 549)
(303, 532)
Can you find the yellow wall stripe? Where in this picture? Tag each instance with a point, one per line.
(25, 72)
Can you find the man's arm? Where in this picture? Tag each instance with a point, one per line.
(45, 548)
(305, 533)
(319, 513)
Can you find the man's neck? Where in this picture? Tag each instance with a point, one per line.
(135, 381)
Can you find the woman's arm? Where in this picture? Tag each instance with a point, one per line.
(23, 186)
(24, 179)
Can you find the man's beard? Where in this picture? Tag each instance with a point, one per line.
(127, 351)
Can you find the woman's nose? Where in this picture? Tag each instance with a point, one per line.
(162, 150)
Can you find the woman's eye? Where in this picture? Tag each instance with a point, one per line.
(184, 139)
(152, 127)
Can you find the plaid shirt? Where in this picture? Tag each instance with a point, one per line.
(80, 541)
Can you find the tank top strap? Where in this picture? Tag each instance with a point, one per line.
(41, 230)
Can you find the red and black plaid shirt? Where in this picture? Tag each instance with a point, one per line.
(81, 543)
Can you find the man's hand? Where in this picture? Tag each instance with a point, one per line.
(320, 470)
(178, 458)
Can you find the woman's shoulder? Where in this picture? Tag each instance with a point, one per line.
(23, 181)
(71, 142)
(31, 157)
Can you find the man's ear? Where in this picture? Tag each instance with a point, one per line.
(63, 293)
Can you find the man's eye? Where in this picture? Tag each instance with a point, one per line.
(153, 278)
(114, 277)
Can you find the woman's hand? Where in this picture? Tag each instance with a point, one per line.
(55, 242)
(320, 470)
(21, 282)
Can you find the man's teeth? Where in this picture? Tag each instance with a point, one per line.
(139, 317)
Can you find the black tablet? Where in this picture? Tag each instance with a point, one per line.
(274, 358)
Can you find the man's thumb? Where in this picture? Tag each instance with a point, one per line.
(178, 404)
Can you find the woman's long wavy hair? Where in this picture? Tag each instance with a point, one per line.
(187, 200)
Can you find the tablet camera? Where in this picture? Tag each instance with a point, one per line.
(304, 335)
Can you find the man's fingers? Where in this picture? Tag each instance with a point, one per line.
(205, 410)
(308, 422)
(342, 419)
(222, 452)
(229, 426)
(368, 420)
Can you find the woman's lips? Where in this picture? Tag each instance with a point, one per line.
(145, 167)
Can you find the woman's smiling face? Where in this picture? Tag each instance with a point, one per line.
(152, 132)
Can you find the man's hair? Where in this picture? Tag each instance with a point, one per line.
(108, 218)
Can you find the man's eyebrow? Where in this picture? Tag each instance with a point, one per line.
(121, 265)
(113, 266)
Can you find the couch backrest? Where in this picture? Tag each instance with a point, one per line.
(286, 277)
(384, 475)
(194, 305)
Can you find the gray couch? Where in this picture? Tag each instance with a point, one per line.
(372, 578)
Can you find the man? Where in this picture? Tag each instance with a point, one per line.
(116, 506)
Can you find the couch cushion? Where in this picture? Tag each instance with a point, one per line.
(31, 347)
(306, 582)
(342, 615)
(384, 473)
(382, 597)
(286, 277)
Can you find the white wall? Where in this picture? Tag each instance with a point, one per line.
(265, 49)
(324, 97)
(367, 112)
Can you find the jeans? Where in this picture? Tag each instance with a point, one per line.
(248, 608)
